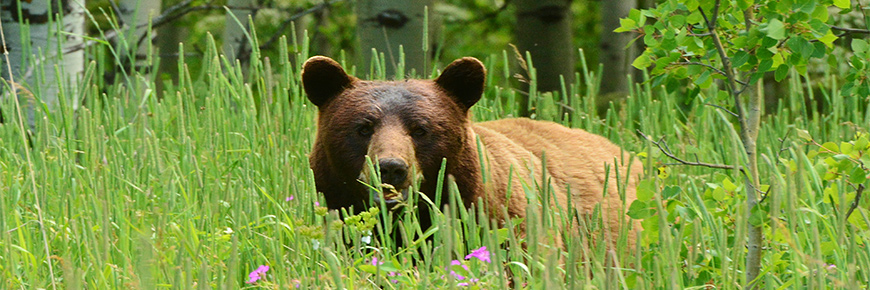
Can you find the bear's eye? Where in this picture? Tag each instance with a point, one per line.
(365, 130)
(419, 132)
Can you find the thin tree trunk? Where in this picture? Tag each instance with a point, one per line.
(135, 45)
(384, 25)
(34, 56)
(543, 29)
(749, 134)
(236, 45)
(614, 52)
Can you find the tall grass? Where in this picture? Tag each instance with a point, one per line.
(196, 188)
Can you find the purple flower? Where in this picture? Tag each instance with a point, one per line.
(455, 263)
(289, 198)
(481, 254)
(259, 273)
(316, 203)
(375, 261)
(463, 284)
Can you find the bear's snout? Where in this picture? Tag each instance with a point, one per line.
(394, 171)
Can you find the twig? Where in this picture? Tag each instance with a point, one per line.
(850, 30)
(855, 202)
(722, 108)
(663, 147)
(294, 17)
(716, 70)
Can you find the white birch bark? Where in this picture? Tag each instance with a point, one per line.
(135, 43)
(236, 45)
(385, 25)
(37, 52)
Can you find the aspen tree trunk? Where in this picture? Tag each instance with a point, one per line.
(543, 29)
(167, 46)
(236, 45)
(38, 52)
(384, 25)
(614, 52)
(135, 45)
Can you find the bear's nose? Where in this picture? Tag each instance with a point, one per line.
(393, 171)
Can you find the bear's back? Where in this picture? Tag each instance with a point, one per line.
(574, 158)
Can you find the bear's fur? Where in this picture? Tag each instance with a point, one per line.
(408, 126)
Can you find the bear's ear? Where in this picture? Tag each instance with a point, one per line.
(463, 79)
(323, 79)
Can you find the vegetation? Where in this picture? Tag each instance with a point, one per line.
(206, 184)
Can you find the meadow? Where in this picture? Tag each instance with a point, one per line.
(205, 183)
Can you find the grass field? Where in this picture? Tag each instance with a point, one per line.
(199, 188)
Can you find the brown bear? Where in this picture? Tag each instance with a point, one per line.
(408, 126)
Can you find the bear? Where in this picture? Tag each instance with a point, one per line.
(408, 126)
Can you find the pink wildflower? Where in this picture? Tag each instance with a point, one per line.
(481, 254)
(289, 198)
(259, 273)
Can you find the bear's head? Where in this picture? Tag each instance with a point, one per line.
(405, 127)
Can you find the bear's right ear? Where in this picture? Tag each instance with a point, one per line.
(463, 79)
(323, 79)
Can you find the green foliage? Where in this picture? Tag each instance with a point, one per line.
(717, 52)
(783, 35)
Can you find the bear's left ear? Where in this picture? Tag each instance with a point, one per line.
(323, 79)
(463, 79)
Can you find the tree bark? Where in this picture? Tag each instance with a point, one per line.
(614, 52)
(543, 29)
(134, 46)
(384, 25)
(236, 45)
(33, 57)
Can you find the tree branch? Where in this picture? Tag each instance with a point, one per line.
(847, 30)
(722, 108)
(284, 25)
(714, 69)
(663, 147)
(180, 10)
(854, 205)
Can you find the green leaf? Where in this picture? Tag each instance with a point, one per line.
(858, 175)
(859, 45)
(804, 134)
(728, 185)
(757, 216)
(828, 39)
(641, 62)
(775, 29)
(626, 25)
(639, 210)
(800, 46)
(831, 194)
(670, 191)
(781, 72)
(702, 78)
(719, 194)
(857, 218)
(831, 146)
(846, 148)
(862, 143)
(645, 190)
(739, 58)
(843, 4)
